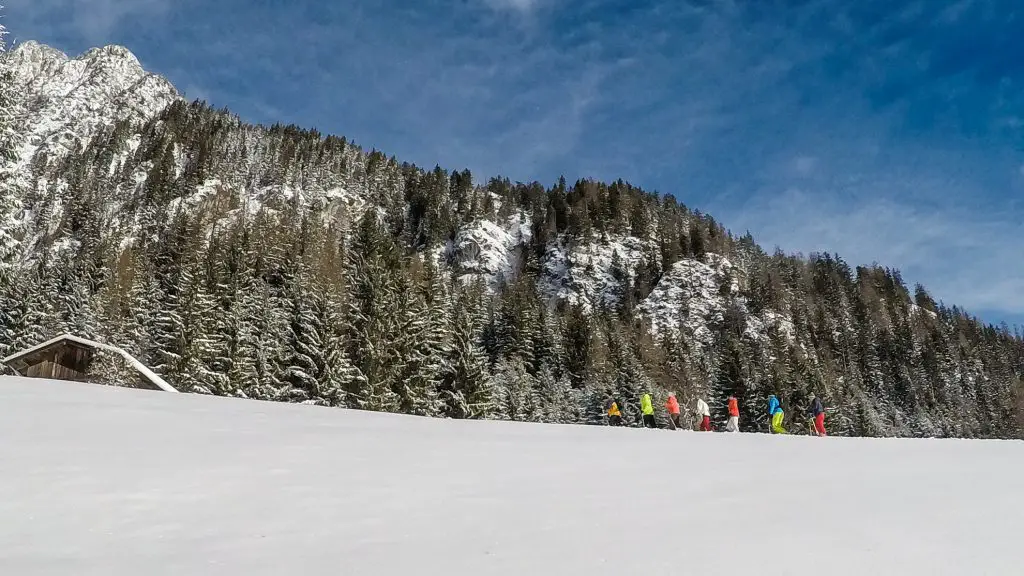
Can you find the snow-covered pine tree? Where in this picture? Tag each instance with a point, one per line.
(25, 319)
(593, 399)
(231, 335)
(516, 394)
(303, 360)
(545, 353)
(179, 333)
(69, 291)
(514, 329)
(10, 315)
(373, 319)
(731, 378)
(36, 319)
(428, 342)
(264, 345)
(10, 207)
(111, 369)
(577, 336)
(466, 390)
(339, 374)
(558, 401)
(627, 379)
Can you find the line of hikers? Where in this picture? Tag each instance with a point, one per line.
(815, 413)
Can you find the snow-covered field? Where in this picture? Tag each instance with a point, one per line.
(98, 480)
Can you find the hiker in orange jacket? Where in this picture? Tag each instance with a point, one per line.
(614, 413)
(672, 405)
(734, 415)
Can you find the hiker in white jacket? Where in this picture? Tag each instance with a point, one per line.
(704, 413)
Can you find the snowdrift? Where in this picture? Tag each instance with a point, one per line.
(100, 480)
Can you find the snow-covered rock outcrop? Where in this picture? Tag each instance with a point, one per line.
(488, 250)
(592, 274)
(691, 295)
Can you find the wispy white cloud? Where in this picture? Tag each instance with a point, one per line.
(194, 92)
(93, 21)
(954, 11)
(965, 257)
(518, 5)
(804, 165)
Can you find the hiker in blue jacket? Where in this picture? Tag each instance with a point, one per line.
(776, 414)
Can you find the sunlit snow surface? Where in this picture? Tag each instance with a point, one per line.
(97, 480)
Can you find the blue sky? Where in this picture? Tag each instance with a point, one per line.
(888, 131)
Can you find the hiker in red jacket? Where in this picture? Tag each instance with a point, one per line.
(734, 415)
(672, 405)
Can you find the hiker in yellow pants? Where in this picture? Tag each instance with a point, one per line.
(777, 415)
(777, 422)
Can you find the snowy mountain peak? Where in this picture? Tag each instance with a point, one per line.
(32, 50)
(43, 57)
(34, 58)
(112, 52)
(38, 65)
(65, 101)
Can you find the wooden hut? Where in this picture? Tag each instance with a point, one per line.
(68, 357)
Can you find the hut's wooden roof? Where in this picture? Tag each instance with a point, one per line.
(72, 340)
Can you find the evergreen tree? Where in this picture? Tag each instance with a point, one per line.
(558, 402)
(374, 324)
(515, 392)
(10, 207)
(303, 358)
(428, 335)
(466, 387)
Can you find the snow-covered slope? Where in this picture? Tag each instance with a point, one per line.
(66, 100)
(97, 480)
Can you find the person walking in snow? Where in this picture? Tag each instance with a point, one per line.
(704, 413)
(734, 415)
(672, 405)
(647, 409)
(614, 413)
(817, 413)
(776, 414)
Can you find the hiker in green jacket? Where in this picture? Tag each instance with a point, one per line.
(647, 409)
